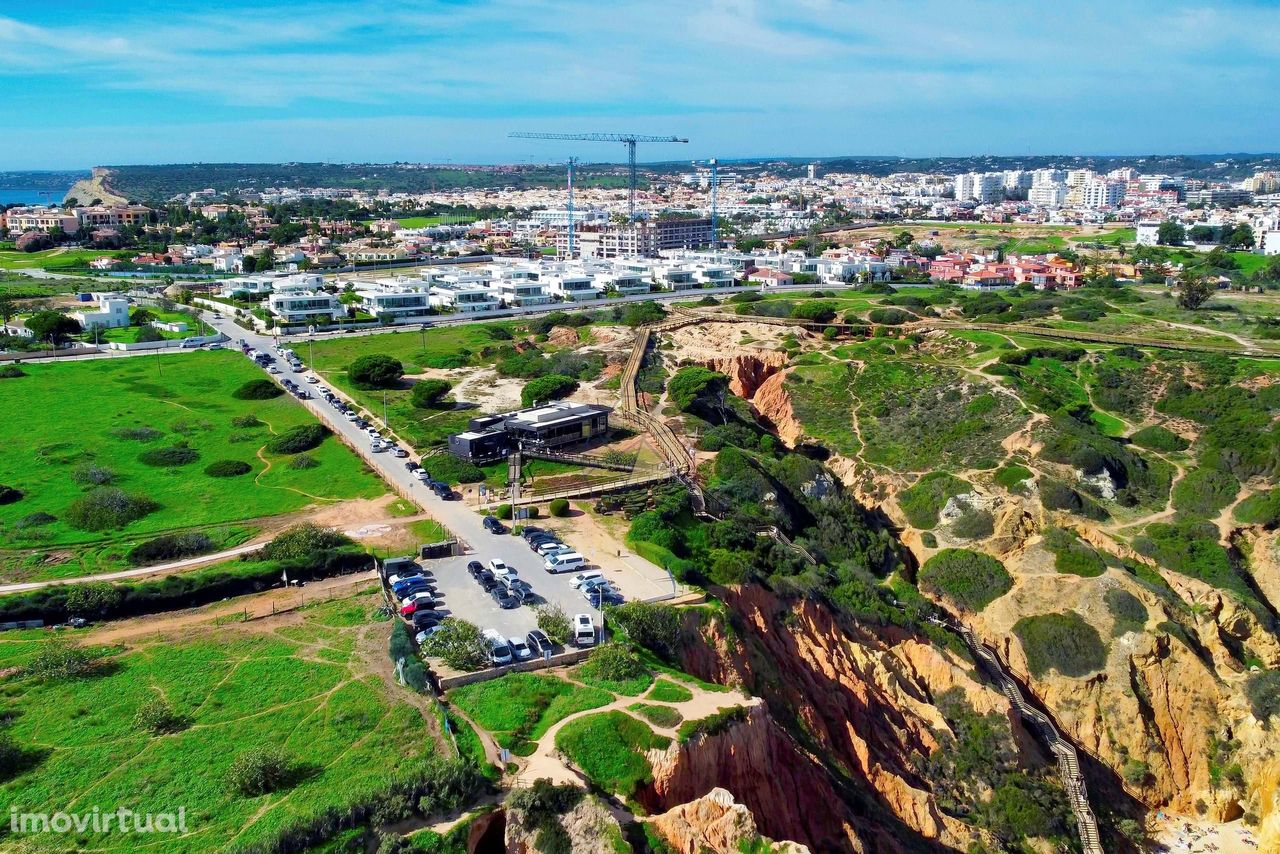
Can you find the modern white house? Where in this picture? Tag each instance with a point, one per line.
(576, 285)
(248, 287)
(112, 313)
(401, 298)
(713, 275)
(461, 290)
(300, 306)
(623, 282)
(522, 292)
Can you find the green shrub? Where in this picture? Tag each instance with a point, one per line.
(973, 523)
(922, 502)
(260, 771)
(1055, 495)
(227, 468)
(170, 547)
(1072, 555)
(60, 658)
(169, 457)
(616, 668)
(969, 579)
(554, 622)
(558, 507)
(1204, 492)
(1261, 508)
(450, 469)
(548, 388)
(1157, 438)
(1127, 610)
(1263, 691)
(1135, 772)
(10, 495)
(245, 422)
(375, 371)
(1192, 549)
(157, 717)
(460, 644)
(655, 627)
(295, 440)
(816, 311)
(1062, 642)
(427, 394)
(260, 389)
(300, 462)
(694, 387)
(1024, 357)
(92, 475)
(10, 372)
(107, 507)
(137, 434)
(502, 511)
(890, 316)
(303, 542)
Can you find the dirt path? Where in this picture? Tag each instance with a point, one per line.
(546, 760)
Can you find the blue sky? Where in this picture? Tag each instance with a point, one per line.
(145, 81)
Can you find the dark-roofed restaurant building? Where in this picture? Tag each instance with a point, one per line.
(546, 427)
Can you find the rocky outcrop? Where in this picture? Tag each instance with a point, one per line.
(716, 823)
(862, 704)
(589, 827)
(747, 371)
(772, 403)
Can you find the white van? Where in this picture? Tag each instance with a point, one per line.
(566, 562)
(583, 577)
(499, 648)
(584, 631)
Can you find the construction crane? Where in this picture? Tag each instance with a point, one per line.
(627, 139)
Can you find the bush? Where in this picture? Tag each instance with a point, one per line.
(1024, 357)
(1135, 772)
(304, 437)
(1073, 556)
(922, 502)
(1055, 495)
(1192, 549)
(502, 511)
(1204, 492)
(450, 469)
(966, 578)
(11, 372)
(817, 311)
(889, 316)
(10, 495)
(260, 389)
(973, 523)
(1263, 691)
(1261, 508)
(170, 457)
(60, 658)
(695, 387)
(1062, 642)
(459, 644)
(654, 627)
(137, 434)
(227, 468)
(427, 394)
(1127, 610)
(91, 475)
(375, 371)
(558, 507)
(1157, 438)
(157, 717)
(107, 507)
(246, 421)
(550, 387)
(615, 667)
(301, 462)
(170, 547)
(553, 620)
(260, 771)
(303, 542)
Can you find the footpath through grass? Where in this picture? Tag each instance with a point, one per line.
(519, 708)
(300, 688)
(80, 426)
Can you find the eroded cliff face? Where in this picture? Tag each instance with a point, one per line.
(747, 371)
(716, 823)
(589, 828)
(862, 703)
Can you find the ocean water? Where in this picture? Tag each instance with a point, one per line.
(28, 196)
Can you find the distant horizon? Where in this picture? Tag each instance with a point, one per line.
(436, 80)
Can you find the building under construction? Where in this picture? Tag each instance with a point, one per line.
(637, 239)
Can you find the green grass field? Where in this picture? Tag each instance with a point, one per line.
(519, 708)
(424, 221)
(610, 748)
(53, 259)
(301, 688)
(69, 417)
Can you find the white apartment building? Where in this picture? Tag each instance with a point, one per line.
(522, 292)
(1047, 176)
(983, 187)
(624, 282)
(1079, 177)
(1018, 179)
(1102, 193)
(1048, 195)
(112, 313)
(1270, 243)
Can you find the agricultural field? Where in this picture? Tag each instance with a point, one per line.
(161, 724)
(141, 434)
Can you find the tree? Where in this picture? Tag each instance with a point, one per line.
(141, 317)
(1171, 233)
(374, 371)
(550, 387)
(53, 326)
(1202, 234)
(8, 308)
(902, 240)
(1194, 290)
(261, 770)
(694, 386)
(426, 394)
(554, 622)
(249, 264)
(1241, 235)
(148, 334)
(460, 644)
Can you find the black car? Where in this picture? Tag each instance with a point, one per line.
(539, 642)
(602, 596)
(475, 567)
(504, 599)
(483, 576)
(411, 466)
(490, 584)
(542, 541)
(531, 531)
(493, 526)
(426, 619)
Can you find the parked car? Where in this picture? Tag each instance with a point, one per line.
(488, 583)
(493, 525)
(520, 649)
(499, 651)
(399, 452)
(484, 577)
(539, 642)
(377, 447)
(584, 577)
(411, 466)
(475, 567)
(549, 549)
(598, 597)
(399, 582)
(404, 576)
(429, 614)
(584, 631)
(422, 475)
(422, 636)
(531, 531)
(313, 379)
(564, 562)
(415, 587)
(426, 619)
(423, 598)
(503, 598)
(350, 416)
(499, 567)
